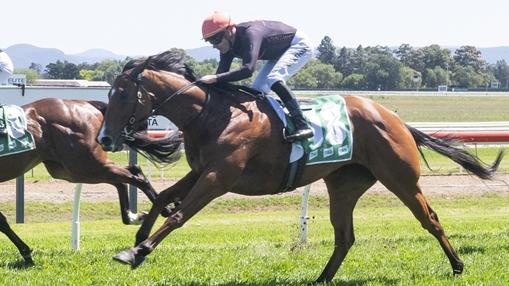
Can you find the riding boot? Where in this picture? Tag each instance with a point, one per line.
(302, 129)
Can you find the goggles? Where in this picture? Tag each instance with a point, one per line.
(217, 38)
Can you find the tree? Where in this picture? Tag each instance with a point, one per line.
(354, 81)
(404, 53)
(316, 74)
(408, 76)
(62, 70)
(382, 69)
(469, 56)
(327, 51)
(36, 67)
(94, 75)
(467, 77)
(344, 62)
(501, 72)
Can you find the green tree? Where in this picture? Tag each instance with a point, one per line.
(469, 56)
(93, 75)
(327, 51)
(382, 69)
(501, 72)
(62, 70)
(317, 75)
(467, 77)
(355, 81)
(408, 76)
(36, 67)
(344, 62)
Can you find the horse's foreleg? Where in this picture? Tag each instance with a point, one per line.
(202, 193)
(179, 189)
(24, 250)
(345, 187)
(140, 181)
(127, 216)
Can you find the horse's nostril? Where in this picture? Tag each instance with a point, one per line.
(106, 141)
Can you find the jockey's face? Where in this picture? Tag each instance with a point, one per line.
(226, 42)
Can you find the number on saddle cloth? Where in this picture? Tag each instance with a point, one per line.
(333, 139)
(14, 137)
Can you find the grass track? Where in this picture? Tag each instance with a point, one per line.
(234, 243)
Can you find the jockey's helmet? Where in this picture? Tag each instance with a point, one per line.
(214, 24)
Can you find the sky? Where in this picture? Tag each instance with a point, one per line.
(145, 27)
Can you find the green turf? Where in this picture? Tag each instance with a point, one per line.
(237, 243)
(447, 108)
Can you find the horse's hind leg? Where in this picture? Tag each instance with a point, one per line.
(345, 187)
(409, 192)
(25, 251)
(429, 221)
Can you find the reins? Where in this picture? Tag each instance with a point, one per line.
(130, 128)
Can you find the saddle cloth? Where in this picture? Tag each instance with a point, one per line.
(332, 140)
(14, 137)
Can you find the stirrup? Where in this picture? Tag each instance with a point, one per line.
(299, 135)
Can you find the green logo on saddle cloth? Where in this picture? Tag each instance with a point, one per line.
(14, 137)
(333, 136)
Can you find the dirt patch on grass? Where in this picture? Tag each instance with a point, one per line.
(60, 191)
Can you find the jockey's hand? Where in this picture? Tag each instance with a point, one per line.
(208, 79)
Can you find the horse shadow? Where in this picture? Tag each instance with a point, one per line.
(468, 249)
(18, 265)
(278, 282)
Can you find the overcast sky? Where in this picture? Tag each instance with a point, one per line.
(145, 27)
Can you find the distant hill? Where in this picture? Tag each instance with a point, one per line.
(24, 54)
(203, 53)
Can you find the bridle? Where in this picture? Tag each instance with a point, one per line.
(131, 126)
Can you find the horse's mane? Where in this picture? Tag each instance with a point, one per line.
(173, 61)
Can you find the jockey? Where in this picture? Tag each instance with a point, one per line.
(285, 49)
(6, 67)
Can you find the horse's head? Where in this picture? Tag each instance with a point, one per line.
(131, 103)
(129, 107)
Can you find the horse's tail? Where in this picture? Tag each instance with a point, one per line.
(166, 150)
(444, 146)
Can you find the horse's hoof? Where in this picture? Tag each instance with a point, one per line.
(128, 257)
(138, 260)
(458, 268)
(29, 262)
(125, 257)
(137, 219)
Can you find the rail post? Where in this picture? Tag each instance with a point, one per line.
(304, 215)
(133, 192)
(75, 223)
(20, 199)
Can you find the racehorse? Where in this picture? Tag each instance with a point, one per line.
(233, 143)
(64, 132)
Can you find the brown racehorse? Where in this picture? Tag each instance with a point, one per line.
(233, 142)
(64, 132)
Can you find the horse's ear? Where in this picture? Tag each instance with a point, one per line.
(137, 70)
